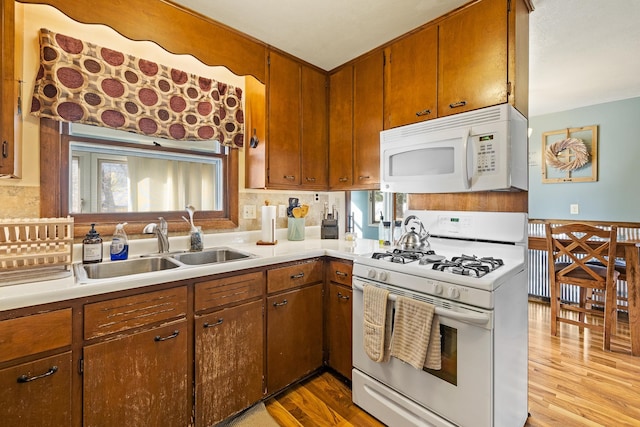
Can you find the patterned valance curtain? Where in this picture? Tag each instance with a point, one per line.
(82, 82)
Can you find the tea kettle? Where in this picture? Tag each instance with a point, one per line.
(412, 240)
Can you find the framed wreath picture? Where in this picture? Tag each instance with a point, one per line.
(570, 155)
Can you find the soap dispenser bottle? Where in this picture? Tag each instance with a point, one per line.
(119, 244)
(92, 247)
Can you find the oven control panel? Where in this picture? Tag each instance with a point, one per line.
(434, 288)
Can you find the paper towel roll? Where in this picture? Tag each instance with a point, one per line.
(268, 224)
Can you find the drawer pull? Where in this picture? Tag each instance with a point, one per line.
(361, 177)
(25, 379)
(458, 104)
(345, 297)
(343, 179)
(5, 149)
(310, 179)
(290, 177)
(211, 325)
(297, 276)
(280, 304)
(423, 113)
(341, 274)
(158, 338)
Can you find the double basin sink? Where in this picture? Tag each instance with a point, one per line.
(159, 262)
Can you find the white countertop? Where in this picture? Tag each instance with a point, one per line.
(47, 291)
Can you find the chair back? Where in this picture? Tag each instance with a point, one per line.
(591, 254)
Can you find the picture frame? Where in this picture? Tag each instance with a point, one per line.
(586, 135)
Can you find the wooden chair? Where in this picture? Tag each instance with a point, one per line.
(573, 249)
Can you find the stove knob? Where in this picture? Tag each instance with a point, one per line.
(372, 274)
(454, 293)
(437, 289)
(383, 276)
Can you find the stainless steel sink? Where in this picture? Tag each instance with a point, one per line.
(123, 268)
(211, 256)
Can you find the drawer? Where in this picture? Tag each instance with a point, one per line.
(219, 292)
(33, 334)
(292, 276)
(116, 315)
(339, 272)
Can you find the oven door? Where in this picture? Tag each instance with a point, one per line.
(460, 393)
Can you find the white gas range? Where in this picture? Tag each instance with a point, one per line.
(475, 274)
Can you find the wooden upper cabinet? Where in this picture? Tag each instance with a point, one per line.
(10, 164)
(315, 129)
(355, 122)
(341, 128)
(473, 58)
(283, 115)
(411, 88)
(367, 120)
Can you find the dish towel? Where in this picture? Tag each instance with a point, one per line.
(377, 323)
(416, 337)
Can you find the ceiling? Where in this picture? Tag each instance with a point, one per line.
(582, 52)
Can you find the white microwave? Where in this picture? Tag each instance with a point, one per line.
(479, 150)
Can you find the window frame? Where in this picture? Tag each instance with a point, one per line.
(54, 191)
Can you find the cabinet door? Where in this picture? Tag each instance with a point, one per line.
(37, 393)
(367, 120)
(140, 379)
(294, 335)
(339, 334)
(284, 121)
(9, 162)
(229, 362)
(315, 129)
(411, 87)
(472, 58)
(341, 128)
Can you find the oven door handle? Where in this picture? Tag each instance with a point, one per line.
(468, 317)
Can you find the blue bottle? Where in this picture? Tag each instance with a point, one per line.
(119, 244)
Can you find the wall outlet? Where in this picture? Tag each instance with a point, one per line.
(282, 211)
(574, 209)
(249, 212)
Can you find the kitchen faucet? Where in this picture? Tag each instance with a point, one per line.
(162, 233)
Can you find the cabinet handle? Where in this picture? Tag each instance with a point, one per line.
(290, 177)
(25, 379)
(423, 113)
(310, 179)
(211, 325)
(280, 304)
(297, 276)
(345, 297)
(5, 149)
(341, 274)
(343, 179)
(458, 104)
(364, 177)
(158, 338)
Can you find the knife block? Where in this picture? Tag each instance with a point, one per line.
(329, 229)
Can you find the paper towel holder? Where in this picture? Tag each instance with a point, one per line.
(273, 228)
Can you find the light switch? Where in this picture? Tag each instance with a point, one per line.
(282, 211)
(574, 209)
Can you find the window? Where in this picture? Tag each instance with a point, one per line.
(106, 180)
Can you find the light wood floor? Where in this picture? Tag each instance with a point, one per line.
(572, 382)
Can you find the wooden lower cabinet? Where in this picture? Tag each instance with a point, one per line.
(338, 328)
(37, 393)
(294, 335)
(139, 379)
(229, 358)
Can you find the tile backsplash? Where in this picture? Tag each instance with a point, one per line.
(24, 202)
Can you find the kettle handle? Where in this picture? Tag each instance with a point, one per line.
(413, 217)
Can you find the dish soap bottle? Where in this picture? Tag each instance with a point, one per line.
(119, 245)
(381, 238)
(92, 247)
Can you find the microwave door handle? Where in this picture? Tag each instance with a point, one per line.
(465, 156)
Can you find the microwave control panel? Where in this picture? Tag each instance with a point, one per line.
(486, 154)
